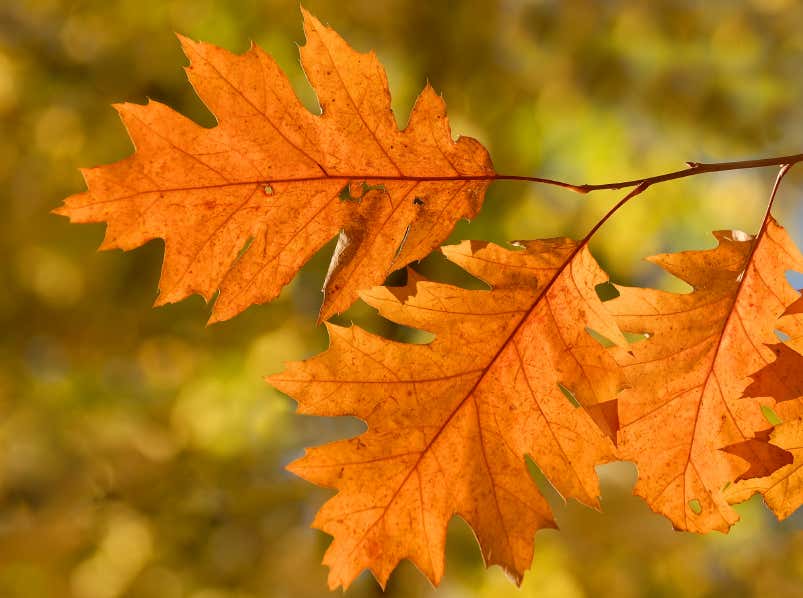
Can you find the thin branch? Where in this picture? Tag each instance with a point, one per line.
(694, 168)
(535, 179)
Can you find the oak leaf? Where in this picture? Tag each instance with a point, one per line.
(243, 205)
(684, 421)
(450, 422)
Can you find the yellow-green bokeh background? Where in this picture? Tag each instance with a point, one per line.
(142, 456)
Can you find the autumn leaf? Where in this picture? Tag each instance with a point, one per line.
(450, 422)
(685, 403)
(243, 205)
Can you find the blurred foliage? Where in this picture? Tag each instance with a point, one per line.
(142, 456)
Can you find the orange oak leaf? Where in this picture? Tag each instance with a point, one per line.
(450, 422)
(687, 379)
(783, 489)
(243, 205)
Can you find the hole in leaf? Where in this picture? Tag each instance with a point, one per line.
(244, 248)
(636, 337)
(366, 188)
(569, 395)
(606, 291)
(418, 201)
(352, 191)
(630, 337)
(602, 340)
(795, 279)
(268, 189)
(345, 194)
(695, 506)
(770, 415)
(782, 336)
